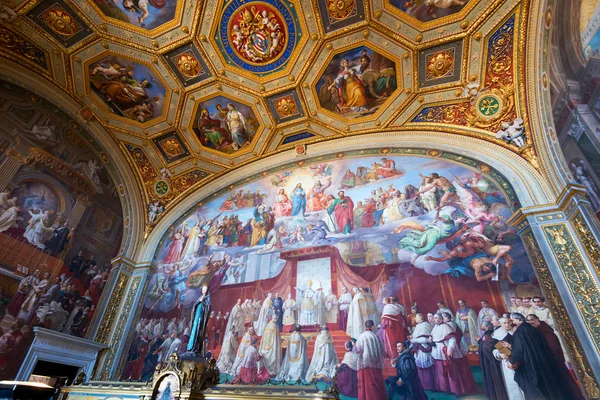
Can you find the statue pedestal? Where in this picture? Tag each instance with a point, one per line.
(191, 377)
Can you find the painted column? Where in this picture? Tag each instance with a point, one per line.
(77, 212)
(120, 301)
(15, 157)
(562, 243)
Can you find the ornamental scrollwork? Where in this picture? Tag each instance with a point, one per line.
(112, 309)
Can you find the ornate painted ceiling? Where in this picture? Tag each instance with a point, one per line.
(191, 90)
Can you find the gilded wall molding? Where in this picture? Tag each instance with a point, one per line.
(119, 329)
(589, 241)
(136, 317)
(580, 361)
(577, 275)
(112, 309)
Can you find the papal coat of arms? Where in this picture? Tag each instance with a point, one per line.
(258, 33)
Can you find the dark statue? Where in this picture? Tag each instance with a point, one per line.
(200, 314)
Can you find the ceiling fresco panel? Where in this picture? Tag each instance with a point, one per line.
(59, 20)
(356, 82)
(225, 125)
(129, 89)
(428, 10)
(148, 15)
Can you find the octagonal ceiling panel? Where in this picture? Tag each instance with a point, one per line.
(224, 124)
(129, 89)
(419, 27)
(148, 15)
(257, 39)
(428, 10)
(356, 82)
(365, 72)
(211, 128)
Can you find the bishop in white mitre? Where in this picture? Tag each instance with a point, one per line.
(241, 352)
(266, 312)
(228, 351)
(270, 348)
(324, 360)
(295, 362)
(357, 315)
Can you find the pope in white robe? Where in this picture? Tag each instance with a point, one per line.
(308, 314)
(270, 348)
(236, 318)
(295, 362)
(228, 352)
(512, 387)
(241, 352)
(266, 312)
(324, 360)
(357, 315)
(37, 228)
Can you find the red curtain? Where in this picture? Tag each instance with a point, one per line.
(373, 277)
(409, 284)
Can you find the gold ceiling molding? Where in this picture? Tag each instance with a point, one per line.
(197, 25)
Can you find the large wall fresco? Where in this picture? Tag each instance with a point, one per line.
(377, 200)
(54, 262)
(421, 229)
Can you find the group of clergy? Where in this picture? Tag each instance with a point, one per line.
(429, 352)
(360, 373)
(522, 357)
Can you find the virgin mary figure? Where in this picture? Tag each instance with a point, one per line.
(200, 314)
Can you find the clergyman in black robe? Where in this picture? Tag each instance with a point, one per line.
(57, 242)
(554, 343)
(76, 263)
(490, 367)
(278, 310)
(533, 361)
(406, 382)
